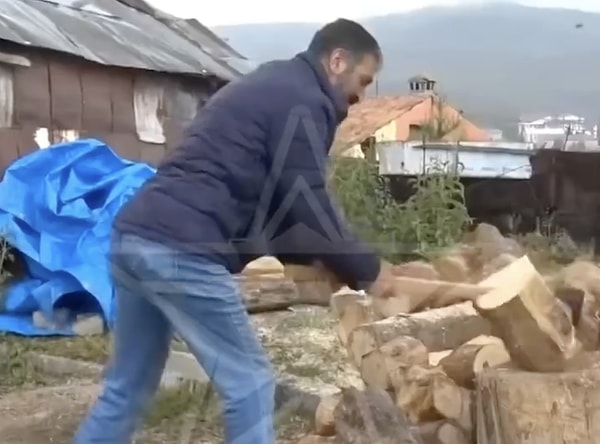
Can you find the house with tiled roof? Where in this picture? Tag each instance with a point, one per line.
(403, 118)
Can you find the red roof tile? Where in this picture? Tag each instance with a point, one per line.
(368, 116)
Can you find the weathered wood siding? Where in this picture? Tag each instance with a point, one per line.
(58, 97)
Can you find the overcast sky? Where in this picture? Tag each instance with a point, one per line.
(231, 12)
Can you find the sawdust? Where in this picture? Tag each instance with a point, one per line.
(302, 343)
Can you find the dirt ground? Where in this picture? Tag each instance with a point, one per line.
(37, 408)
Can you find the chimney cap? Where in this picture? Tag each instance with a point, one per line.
(422, 78)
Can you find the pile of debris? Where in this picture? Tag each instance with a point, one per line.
(475, 347)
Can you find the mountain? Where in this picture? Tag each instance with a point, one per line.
(494, 61)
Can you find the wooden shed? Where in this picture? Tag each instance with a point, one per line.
(117, 70)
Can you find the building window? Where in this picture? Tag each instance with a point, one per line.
(7, 99)
(45, 138)
(148, 105)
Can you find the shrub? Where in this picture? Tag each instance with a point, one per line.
(433, 218)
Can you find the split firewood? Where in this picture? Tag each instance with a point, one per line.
(469, 359)
(428, 293)
(485, 340)
(427, 394)
(265, 265)
(416, 269)
(442, 432)
(588, 326)
(466, 419)
(355, 314)
(534, 325)
(439, 329)
(324, 422)
(401, 352)
(519, 407)
(316, 439)
(491, 244)
(580, 274)
(452, 267)
(369, 417)
(436, 357)
(342, 299)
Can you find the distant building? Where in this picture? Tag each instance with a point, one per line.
(551, 127)
(495, 135)
(401, 119)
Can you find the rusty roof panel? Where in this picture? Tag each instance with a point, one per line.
(111, 33)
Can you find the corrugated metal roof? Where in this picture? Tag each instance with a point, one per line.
(111, 33)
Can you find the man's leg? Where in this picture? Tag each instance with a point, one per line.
(204, 305)
(141, 340)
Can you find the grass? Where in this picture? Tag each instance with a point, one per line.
(290, 343)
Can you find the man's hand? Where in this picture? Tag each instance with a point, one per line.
(384, 285)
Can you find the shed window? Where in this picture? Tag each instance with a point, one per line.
(46, 138)
(148, 105)
(6, 96)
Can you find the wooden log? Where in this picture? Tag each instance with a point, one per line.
(314, 283)
(580, 274)
(452, 267)
(342, 299)
(358, 313)
(416, 269)
(469, 359)
(436, 357)
(533, 324)
(492, 244)
(588, 326)
(429, 293)
(427, 394)
(265, 265)
(401, 352)
(392, 306)
(467, 420)
(442, 432)
(369, 417)
(324, 421)
(519, 407)
(269, 294)
(439, 329)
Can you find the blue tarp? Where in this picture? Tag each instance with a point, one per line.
(56, 207)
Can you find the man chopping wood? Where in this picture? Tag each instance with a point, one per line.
(248, 180)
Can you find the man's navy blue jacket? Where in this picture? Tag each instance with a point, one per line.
(249, 178)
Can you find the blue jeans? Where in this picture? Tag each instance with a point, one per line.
(160, 291)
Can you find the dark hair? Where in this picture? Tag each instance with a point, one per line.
(345, 34)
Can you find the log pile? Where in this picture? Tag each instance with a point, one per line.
(269, 286)
(476, 347)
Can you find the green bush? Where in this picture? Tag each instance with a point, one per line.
(432, 219)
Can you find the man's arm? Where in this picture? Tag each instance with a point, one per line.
(311, 227)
